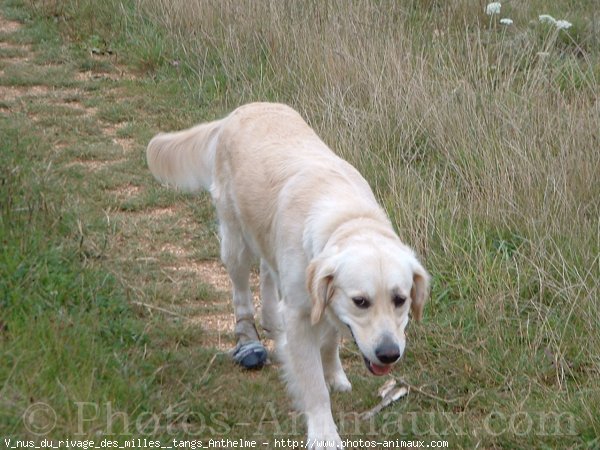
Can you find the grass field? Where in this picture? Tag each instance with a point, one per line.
(481, 140)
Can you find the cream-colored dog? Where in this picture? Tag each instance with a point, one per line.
(327, 250)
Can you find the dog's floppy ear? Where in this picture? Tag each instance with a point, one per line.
(419, 291)
(319, 282)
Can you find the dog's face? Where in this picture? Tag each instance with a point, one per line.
(367, 288)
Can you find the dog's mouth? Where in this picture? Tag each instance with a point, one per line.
(377, 369)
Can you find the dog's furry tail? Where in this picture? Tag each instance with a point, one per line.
(185, 159)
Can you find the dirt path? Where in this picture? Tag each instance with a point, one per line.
(160, 242)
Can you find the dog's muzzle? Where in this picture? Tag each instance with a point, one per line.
(389, 351)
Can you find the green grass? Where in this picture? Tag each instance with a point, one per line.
(70, 336)
(479, 140)
(61, 319)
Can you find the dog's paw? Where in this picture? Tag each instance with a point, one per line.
(323, 435)
(338, 382)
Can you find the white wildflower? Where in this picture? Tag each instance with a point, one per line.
(545, 18)
(563, 24)
(506, 21)
(560, 24)
(493, 8)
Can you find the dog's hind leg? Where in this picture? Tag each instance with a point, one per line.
(237, 257)
(270, 316)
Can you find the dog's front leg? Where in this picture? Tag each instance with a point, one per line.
(306, 381)
(332, 366)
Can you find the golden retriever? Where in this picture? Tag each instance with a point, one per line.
(330, 261)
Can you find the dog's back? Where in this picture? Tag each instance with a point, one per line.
(260, 162)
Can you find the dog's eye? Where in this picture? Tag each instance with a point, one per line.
(361, 302)
(398, 300)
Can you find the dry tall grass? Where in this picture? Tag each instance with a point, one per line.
(449, 114)
(481, 140)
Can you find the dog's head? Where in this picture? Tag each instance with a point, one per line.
(368, 286)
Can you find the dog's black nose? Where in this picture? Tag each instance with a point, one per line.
(387, 352)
